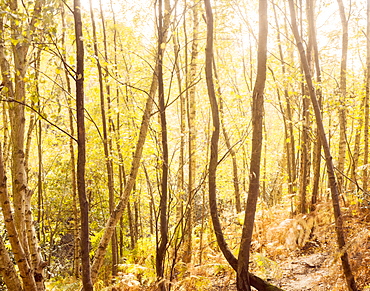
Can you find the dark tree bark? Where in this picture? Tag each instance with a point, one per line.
(76, 240)
(81, 156)
(256, 282)
(242, 282)
(161, 249)
(351, 284)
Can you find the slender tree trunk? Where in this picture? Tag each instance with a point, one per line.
(356, 150)
(115, 255)
(81, 156)
(181, 176)
(107, 148)
(255, 281)
(367, 93)
(342, 98)
(214, 140)
(242, 279)
(351, 284)
(26, 246)
(181, 173)
(120, 207)
(317, 145)
(116, 130)
(290, 141)
(238, 207)
(161, 249)
(76, 236)
(305, 140)
(192, 134)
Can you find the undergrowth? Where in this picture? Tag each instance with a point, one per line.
(278, 238)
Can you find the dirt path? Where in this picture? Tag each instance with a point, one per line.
(305, 273)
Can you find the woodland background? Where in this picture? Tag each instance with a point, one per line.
(107, 143)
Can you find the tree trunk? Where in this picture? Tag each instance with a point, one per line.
(317, 145)
(342, 98)
(24, 267)
(192, 134)
(7, 270)
(242, 279)
(106, 144)
(25, 244)
(81, 155)
(256, 282)
(290, 141)
(367, 93)
(181, 172)
(351, 284)
(76, 236)
(161, 249)
(238, 207)
(120, 207)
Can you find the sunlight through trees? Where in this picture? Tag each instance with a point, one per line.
(184, 145)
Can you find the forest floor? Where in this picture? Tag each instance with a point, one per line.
(314, 263)
(294, 253)
(307, 272)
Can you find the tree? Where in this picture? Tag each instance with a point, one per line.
(106, 143)
(161, 248)
(190, 93)
(366, 101)
(251, 279)
(342, 99)
(317, 145)
(351, 284)
(135, 164)
(23, 237)
(243, 281)
(81, 154)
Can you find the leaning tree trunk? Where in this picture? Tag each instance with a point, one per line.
(329, 161)
(120, 207)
